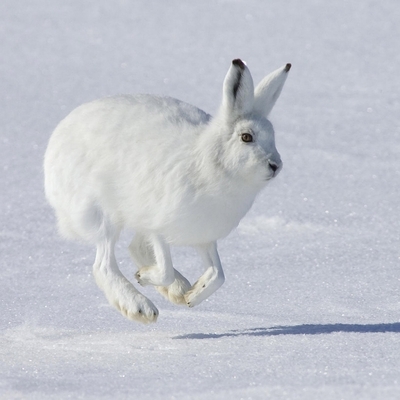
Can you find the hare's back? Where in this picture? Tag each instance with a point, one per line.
(127, 116)
(123, 126)
(143, 114)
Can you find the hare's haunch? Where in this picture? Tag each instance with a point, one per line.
(167, 170)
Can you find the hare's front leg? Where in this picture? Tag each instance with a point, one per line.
(153, 259)
(160, 272)
(212, 278)
(119, 291)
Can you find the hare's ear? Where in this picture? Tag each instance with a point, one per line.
(238, 90)
(269, 89)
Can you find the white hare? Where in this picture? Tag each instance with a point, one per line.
(170, 172)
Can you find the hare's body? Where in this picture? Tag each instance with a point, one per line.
(172, 204)
(168, 171)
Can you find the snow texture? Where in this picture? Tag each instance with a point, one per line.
(311, 304)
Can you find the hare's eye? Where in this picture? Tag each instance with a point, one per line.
(247, 137)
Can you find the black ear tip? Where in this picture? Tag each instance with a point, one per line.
(239, 63)
(287, 67)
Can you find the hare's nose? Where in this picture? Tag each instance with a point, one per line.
(274, 166)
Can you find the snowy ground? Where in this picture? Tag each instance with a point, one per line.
(311, 305)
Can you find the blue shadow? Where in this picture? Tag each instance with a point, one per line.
(308, 329)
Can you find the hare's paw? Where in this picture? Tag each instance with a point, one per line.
(175, 293)
(207, 284)
(199, 292)
(154, 276)
(136, 308)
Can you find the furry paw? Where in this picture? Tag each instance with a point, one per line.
(136, 308)
(175, 292)
(196, 294)
(204, 287)
(140, 311)
(153, 276)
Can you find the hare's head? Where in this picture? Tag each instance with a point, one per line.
(246, 136)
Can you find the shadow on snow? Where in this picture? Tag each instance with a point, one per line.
(309, 329)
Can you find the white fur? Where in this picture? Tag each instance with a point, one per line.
(167, 170)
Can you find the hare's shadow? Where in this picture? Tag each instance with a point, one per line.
(307, 329)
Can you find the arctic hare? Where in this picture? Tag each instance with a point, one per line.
(170, 172)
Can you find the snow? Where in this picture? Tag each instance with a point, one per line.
(310, 308)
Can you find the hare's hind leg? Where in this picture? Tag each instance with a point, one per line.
(212, 278)
(119, 291)
(143, 251)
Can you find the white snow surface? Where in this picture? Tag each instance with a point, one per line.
(311, 304)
